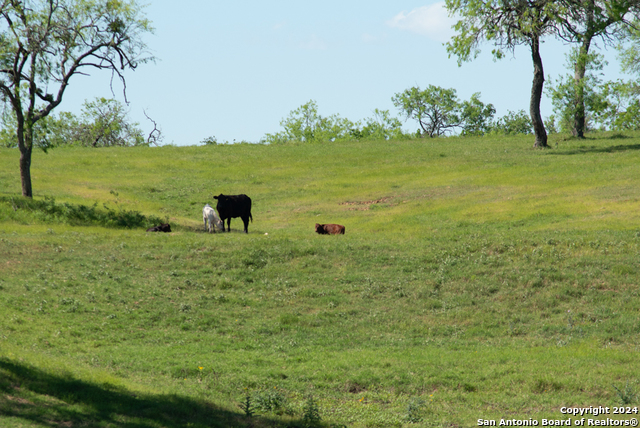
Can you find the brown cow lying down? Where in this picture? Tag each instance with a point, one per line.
(160, 228)
(329, 229)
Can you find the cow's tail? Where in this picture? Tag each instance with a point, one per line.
(251, 217)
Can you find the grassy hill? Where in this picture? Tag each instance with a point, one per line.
(478, 279)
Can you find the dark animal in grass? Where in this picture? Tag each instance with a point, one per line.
(232, 206)
(329, 229)
(165, 227)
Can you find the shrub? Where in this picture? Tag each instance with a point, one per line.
(311, 413)
(48, 210)
(514, 123)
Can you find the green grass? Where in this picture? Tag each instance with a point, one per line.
(478, 278)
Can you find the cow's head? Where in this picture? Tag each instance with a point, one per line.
(221, 197)
(318, 227)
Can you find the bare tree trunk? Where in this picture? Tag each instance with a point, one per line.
(25, 144)
(536, 95)
(25, 172)
(579, 119)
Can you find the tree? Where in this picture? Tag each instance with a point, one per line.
(623, 105)
(579, 98)
(506, 24)
(305, 124)
(514, 122)
(630, 54)
(106, 124)
(103, 123)
(581, 21)
(44, 43)
(42, 132)
(476, 117)
(381, 126)
(436, 109)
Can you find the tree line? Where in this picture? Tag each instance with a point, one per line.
(45, 43)
(103, 122)
(610, 105)
(437, 111)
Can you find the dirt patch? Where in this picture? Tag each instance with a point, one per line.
(19, 400)
(363, 205)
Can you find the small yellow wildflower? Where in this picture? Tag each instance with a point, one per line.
(200, 367)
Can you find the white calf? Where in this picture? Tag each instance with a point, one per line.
(210, 216)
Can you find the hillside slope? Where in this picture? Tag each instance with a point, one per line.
(477, 279)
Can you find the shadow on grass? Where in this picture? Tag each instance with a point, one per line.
(594, 149)
(37, 398)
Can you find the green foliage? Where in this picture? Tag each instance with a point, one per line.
(504, 24)
(271, 400)
(305, 124)
(247, 406)
(512, 123)
(48, 44)
(48, 211)
(45, 131)
(623, 105)
(210, 141)
(436, 109)
(612, 105)
(629, 50)
(381, 126)
(477, 118)
(564, 92)
(415, 410)
(311, 412)
(627, 395)
(103, 123)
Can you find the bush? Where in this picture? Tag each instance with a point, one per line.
(210, 141)
(49, 211)
(311, 413)
(514, 123)
(477, 117)
(436, 109)
(305, 125)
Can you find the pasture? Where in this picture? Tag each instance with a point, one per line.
(478, 279)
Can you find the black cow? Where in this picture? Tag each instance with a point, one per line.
(232, 206)
(165, 227)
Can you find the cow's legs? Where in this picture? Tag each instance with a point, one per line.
(228, 224)
(245, 220)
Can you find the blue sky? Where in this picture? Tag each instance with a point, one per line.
(234, 70)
